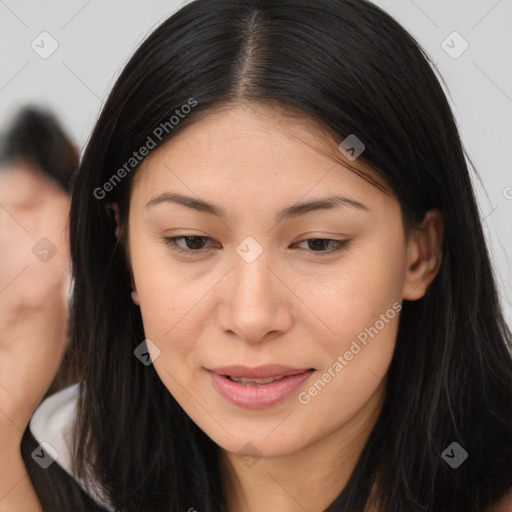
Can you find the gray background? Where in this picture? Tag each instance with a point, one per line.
(95, 40)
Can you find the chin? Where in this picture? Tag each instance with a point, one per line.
(252, 448)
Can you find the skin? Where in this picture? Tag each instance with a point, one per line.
(291, 306)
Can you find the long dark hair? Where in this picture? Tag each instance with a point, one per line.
(349, 66)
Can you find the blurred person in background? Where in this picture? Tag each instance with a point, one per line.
(37, 161)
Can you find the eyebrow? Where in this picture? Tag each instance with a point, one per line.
(295, 210)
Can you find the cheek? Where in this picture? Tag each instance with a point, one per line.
(358, 291)
(362, 310)
(166, 295)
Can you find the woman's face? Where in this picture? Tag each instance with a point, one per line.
(258, 289)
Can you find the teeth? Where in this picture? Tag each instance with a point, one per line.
(255, 382)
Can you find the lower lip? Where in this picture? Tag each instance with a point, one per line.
(257, 397)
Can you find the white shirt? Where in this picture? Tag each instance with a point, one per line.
(52, 423)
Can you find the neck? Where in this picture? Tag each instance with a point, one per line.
(308, 479)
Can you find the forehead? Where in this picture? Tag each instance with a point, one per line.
(259, 151)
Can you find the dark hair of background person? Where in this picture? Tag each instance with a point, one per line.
(351, 67)
(36, 137)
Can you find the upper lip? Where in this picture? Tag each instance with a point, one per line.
(260, 372)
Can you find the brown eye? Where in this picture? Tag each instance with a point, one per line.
(193, 243)
(318, 243)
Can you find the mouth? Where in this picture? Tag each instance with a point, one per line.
(257, 388)
(261, 372)
(247, 381)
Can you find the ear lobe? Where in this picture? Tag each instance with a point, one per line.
(424, 255)
(135, 293)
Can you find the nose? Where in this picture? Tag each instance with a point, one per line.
(258, 304)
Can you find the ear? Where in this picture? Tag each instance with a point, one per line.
(424, 255)
(135, 293)
(113, 210)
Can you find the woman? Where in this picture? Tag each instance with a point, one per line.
(292, 306)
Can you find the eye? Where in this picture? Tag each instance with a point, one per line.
(195, 241)
(317, 243)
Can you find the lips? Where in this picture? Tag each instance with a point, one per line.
(257, 388)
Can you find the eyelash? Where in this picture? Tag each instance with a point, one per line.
(171, 242)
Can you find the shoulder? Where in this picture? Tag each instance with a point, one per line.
(52, 426)
(52, 423)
